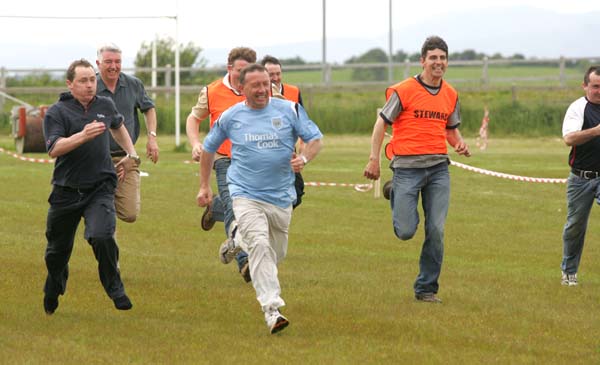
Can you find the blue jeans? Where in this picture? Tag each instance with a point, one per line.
(580, 198)
(224, 202)
(433, 183)
(221, 206)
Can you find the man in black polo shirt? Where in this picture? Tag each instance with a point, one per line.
(581, 131)
(84, 179)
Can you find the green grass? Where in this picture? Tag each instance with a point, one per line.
(352, 110)
(347, 280)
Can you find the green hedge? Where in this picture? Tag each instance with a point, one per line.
(523, 112)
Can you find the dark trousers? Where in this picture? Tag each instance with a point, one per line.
(67, 207)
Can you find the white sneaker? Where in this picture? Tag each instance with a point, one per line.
(276, 321)
(569, 279)
(228, 250)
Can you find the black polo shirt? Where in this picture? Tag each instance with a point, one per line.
(90, 163)
(582, 115)
(129, 96)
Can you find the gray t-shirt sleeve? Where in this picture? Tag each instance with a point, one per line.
(454, 118)
(391, 109)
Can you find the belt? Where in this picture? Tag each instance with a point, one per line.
(80, 190)
(589, 175)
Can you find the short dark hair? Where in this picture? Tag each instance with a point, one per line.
(591, 70)
(241, 53)
(251, 68)
(270, 59)
(433, 42)
(77, 63)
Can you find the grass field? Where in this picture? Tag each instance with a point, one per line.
(347, 280)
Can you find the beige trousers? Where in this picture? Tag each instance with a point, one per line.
(264, 231)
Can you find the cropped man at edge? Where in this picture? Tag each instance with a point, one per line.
(581, 131)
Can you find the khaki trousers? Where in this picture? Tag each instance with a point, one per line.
(264, 232)
(127, 195)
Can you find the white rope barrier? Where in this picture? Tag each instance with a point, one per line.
(23, 158)
(508, 176)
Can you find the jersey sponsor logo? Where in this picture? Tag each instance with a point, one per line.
(264, 140)
(430, 114)
(277, 123)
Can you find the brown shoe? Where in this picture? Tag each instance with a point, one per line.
(245, 272)
(427, 297)
(387, 189)
(207, 222)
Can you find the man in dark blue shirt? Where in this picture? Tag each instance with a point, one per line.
(84, 179)
(129, 95)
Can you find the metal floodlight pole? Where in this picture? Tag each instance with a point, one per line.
(324, 50)
(154, 61)
(390, 61)
(177, 88)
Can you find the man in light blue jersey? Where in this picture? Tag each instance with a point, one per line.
(263, 132)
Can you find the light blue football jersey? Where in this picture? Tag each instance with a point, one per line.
(263, 141)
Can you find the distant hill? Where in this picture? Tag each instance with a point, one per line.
(531, 32)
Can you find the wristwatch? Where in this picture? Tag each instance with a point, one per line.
(135, 158)
(304, 159)
(152, 133)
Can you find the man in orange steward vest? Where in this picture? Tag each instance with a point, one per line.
(213, 100)
(424, 113)
(289, 92)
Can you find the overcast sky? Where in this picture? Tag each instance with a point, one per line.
(218, 24)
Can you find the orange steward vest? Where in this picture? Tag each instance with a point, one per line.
(291, 93)
(221, 98)
(420, 128)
